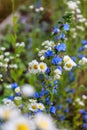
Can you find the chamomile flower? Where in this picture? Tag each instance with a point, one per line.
(33, 107)
(19, 124)
(40, 106)
(69, 65)
(17, 90)
(66, 58)
(32, 100)
(42, 66)
(45, 43)
(41, 53)
(33, 67)
(7, 113)
(83, 61)
(57, 73)
(44, 122)
(8, 103)
(42, 58)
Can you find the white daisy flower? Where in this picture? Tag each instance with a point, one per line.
(17, 90)
(7, 113)
(57, 73)
(33, 107)
(33, 67)
(45, 43)
(66, 58)
(69, 65)
(40, 106)
(8, 103)
(32, 100)
(41, 53)
(83, 61)
(42, 58)
(44, 122)
(42, 66)
(20, 123)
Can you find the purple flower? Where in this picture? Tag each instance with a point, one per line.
(61, 47)
(56, 60)
(66, 27)
(49, 53)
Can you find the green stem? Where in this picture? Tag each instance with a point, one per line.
(14, 23)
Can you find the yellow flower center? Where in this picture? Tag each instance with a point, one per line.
(34, 107)
(40, 106)
(69, 65)
(22, 127)
(42, 66)
(43, 124)
(6, 114)
(35, 66)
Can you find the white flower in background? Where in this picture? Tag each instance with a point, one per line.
(45, 43)
(78, 2)
(42, 66)
(8, 103)
(37, 10)
(6, 59)
(31, 6)
(17, 90)
(22, 44)
(80, 28)
(44, 122)
(20, 123)
(83, 61)
(42, 58)
(81, 103)
(30, 67)
(78, 10)
(78, 100)
(86, 23)
(11, 57)
(1, 64)
(41, 53)
(2, 48)
(72, 5)
(27, 90)
(17, 98)
(13, 66)
(7, 53)
(7, 113)
(32, 100)
(66, 58)
(40, 106)
(1, 76)
(84, 97)
(35, 67)
(1, 57)
(57, 73)
(69, 65)
(51, 44)
(85, 46)
(33, 107)
(41, 9)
